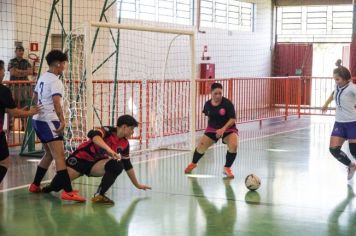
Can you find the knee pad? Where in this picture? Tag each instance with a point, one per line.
(335, 151)
(340, 155)
(114, 166)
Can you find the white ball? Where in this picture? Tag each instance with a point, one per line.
(252, 182)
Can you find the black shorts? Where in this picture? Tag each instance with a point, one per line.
(4, 149)
(80, 165)
(213, 137)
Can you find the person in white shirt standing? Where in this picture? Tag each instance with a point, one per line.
(345, 120)
(49, 125)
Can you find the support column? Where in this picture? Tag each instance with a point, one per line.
(353, 44)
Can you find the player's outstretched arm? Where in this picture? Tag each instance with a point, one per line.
(134, 181)
(327, 102)
(16, 112)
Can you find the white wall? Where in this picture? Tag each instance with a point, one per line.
(241, 53)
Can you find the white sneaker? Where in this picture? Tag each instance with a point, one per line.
(351, 171)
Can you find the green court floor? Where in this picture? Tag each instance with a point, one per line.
(304, 192)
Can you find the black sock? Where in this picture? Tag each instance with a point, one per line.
(106, 182)
(352, 147)
(113, 169)
(340, 155)
(67, 185)
(3, 171)
(61, 181)
(230, 158)
(40, 173)
(197, 156)
(55, 185)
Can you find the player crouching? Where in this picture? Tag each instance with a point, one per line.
(105, 154)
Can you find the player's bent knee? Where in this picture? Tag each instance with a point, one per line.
(114, 166)
(335, 151)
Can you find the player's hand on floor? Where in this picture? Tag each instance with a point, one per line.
(143, 187)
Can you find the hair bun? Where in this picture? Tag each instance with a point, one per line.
(338, 62)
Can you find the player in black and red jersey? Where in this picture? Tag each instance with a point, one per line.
(106, 154)
(221, 124)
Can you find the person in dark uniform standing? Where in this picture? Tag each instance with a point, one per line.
(20, 69)
(7, 104)
(221, 124)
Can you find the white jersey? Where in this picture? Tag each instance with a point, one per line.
(48, 85)
(345, 99)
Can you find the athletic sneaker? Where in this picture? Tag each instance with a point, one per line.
(102, 199)
(351, 171)
(190, 168)
(228, 172)
(48, 188)
(72, 196)
(34, 188)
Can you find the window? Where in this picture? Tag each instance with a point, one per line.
(227, 14)
(341, 18)
(170, 11)
(314, 23)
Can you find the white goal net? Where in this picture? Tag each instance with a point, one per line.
(144, 71)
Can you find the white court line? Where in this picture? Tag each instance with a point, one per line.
(19, 187)
(176, 154)
(278, 133)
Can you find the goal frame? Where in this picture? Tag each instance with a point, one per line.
(139, 27)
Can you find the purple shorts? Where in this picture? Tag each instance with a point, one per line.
(345, 130)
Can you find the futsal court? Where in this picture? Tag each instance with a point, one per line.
(302, 192)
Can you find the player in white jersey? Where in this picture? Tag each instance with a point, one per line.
(49, 125)
(345, 119)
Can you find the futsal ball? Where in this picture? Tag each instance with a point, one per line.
(252, 182)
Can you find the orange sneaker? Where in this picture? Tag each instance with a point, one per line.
(190, 168)
(72, 196)
(34, 188)
(228, 172)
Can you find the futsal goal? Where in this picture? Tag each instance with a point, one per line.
(142, 70)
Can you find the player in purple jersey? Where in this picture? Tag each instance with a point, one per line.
(345, 119)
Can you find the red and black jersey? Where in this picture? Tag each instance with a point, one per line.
(91, 152)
